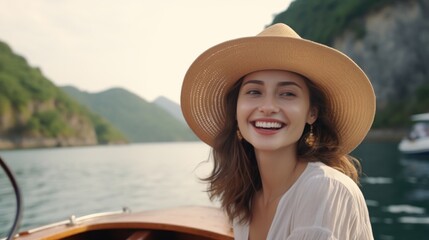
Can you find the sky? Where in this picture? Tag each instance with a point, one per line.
(140, 45)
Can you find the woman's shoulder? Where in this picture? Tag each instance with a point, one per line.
(318, 172)
(320, 180)
(326, 199)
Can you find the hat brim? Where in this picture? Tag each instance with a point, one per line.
(350, 94)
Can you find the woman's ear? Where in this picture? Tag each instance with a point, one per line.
(312, 115)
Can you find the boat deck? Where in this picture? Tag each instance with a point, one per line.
(191, 223)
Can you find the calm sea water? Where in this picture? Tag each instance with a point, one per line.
(396, 189)
(58, 183)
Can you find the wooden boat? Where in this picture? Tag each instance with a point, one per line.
(417, 140)
(191, 223)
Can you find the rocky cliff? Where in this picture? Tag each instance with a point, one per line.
(392, 49)
(16, 133)
(12, 134)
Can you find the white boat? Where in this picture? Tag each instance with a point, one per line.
(417, 140)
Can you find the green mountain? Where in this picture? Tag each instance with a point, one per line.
(137, 119)
(171, 107)
(322, 21)
(35, 113)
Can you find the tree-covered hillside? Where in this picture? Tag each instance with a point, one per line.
(398, 112)
(139, 120)
(31, 106)
(322, 21)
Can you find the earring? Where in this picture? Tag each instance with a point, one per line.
(239, 136)
(310, 140)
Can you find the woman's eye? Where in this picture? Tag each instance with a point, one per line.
(288, 94)
(253, 92)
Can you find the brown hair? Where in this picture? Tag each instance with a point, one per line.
(235, 177)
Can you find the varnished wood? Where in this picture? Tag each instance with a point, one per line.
(188, 222)
(141, 235)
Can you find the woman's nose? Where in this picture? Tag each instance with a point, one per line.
(269, 106)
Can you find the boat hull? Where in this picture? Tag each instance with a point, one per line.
(415, 147)
(196, 223)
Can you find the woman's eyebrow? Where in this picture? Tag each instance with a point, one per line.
(259, 82)
(288, 83)
(280, 84)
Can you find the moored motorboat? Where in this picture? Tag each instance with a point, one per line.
(206, 223)
(417, 140)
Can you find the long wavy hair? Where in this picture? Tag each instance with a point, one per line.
(235, 177)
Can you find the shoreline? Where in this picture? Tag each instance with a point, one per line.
(388, 135)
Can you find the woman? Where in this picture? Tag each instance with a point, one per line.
(282, 114)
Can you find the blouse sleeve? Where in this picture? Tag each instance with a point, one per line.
(330, 208)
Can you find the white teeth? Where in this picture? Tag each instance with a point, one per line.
(268, 124)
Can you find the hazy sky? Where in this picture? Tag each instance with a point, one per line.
(143, 46)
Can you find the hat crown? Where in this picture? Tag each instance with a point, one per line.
(279, 30)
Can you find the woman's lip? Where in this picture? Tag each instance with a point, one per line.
(267, 126)
(264, 131)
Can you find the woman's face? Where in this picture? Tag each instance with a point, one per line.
(272, 109)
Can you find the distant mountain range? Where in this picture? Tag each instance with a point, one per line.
(171, 107)
(36, 113)
(138, 119)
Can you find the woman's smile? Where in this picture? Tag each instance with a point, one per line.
(267, 126)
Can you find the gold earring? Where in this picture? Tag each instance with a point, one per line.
(310, 140)
(239, 136)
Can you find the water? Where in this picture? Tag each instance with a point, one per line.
(396, 189)
(57, 183)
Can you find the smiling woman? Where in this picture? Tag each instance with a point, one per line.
(282, 115)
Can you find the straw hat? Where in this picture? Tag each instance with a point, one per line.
(350, 94)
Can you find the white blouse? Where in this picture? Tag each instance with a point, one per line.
(323, 204)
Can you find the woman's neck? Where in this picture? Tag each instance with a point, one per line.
(279, 170)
